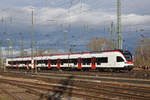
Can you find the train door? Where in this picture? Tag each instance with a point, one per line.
(17, 66)
(79, 63)
(93, 61)
(58, 63)
(34, 65)
(49, 64)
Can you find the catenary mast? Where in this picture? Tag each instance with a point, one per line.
(119, 35)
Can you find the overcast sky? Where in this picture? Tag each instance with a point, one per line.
(81, 20)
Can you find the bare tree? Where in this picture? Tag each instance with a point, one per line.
(142, 52)
(98, 44)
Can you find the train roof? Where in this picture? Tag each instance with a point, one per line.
(116, 50)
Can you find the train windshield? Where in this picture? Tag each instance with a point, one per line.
(128, 56)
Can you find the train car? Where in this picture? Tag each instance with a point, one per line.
(113, 59)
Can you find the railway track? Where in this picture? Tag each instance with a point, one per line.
(101, 77)
(82, 90)
(75, 86)
(13, 96)
(132, 74)
(58, 89)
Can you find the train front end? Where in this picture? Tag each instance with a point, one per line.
(129, 60)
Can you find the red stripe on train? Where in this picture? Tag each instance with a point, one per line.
(49, 64)
(34, 66)
(58, 63)
(93, 61)
(79, 63)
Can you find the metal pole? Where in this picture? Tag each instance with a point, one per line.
(8, 51)
(32, 35)
(119, 35)
(65, 41)
(1, 57)
(22, 47)
(11, 50)
(32, 53)
(65, 31)
(112, 35)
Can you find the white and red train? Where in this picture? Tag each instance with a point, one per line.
(113, 59)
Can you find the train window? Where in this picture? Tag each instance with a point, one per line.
(29, 62)
(74, 61)
(18, 62)
(26, 62)
(14, 62)
(70, 60)
(119, 59)
(9, 62)
(127, 55)
(21, 62)
(101, 60)
(61, 62)
(46, 62)
(53, 62)
(86, 61)
(104, 60)
(64, 60)
(43, 61)
(98, 61)
(38, 62)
